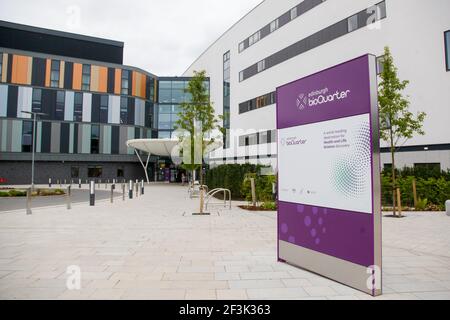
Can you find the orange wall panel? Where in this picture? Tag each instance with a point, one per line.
(102, 79)
(134, 77)
(143, 82)
(77, 72)
(118, 81)
(48, 69)
(20, 70)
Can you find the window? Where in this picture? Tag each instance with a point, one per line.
(381, 12)
(95, 172)
(428, 166)
(95, 139)
(125, 81)
(294, 13)
(261, 65)
(86, 78)
(1, 65)
(255, 38)
(36, 104)
(447, 49)
(226, 97)
(123, 110)
(164, 135)
(120, 172)
(78, 107)
(60, 101)
(54, 74)
(241, 76)
(27, 136)
(274, 25)
(380, 65)
(241, 46)
(104, 101)
(75, 172)
(352, 23)
(165, 91)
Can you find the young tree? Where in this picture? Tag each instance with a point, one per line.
(198, 121)
(397, 123)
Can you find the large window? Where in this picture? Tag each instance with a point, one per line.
(27, 136)
(125, 81)
(75, 172)
(165, 91)
(95, 139)
(78, 107)
(123, 110)
(36, 103)
(86, 79)
(226, 97)
(60, 101)
(95, 172)
(54, 74)
(447, 49)
(104, 109)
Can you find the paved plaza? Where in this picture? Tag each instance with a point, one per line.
(152, 247)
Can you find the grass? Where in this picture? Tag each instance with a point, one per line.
(13, 193)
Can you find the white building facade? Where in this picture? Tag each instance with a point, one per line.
(282, 41)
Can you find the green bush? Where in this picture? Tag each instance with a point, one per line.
(17, 193)
(4, 194)
(263, 187)
(269, 205)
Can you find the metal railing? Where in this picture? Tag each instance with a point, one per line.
(210, 195)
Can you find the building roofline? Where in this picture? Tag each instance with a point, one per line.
(17, 26)
(223, 34)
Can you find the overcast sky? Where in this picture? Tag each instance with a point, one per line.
(161, 36)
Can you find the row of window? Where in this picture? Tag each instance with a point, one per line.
(287, 17)
(259, 102)
(264, 137)
(226, 96)
(447, 49)
(1, 65)
(341, 28)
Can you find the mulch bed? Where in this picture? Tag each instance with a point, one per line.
(251, 208)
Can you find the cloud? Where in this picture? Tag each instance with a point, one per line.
(162, 37)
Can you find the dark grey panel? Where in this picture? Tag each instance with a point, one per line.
(13, 93)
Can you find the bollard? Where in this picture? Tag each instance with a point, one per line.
(65, 182)
(68, 199)
(123, 191)
(29, 201)
(92, 194)
(130, 190)
(137, 188)
(142, 187)
(99, 181)
(106, 185)
(79, 183)
(112, 193)
(49, 182)
(447, 207)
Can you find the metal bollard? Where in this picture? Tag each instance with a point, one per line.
(29, 201)
(79, 183)
(49, 182)
(123, 191)
(142, 187)
(68, 197)
(130, 190)
(112, 193)
(92, 194)
(99, 181)
(137, 188)
(447, 207)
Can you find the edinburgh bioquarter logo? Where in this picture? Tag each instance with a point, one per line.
(320, 97)
(293, 141)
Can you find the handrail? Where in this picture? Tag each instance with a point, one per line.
(213, 192)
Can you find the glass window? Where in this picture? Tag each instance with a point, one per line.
(241, 46)
(86, 78)
(380, 64)
(60, 102)
(125, 82)
(164, 135)
(75, 172)
(164, 121)
(27, 136)
(274, 25)
(123, 110)
(428, 166)
(241, 76)
(120, 172)
(78, 107)
(95, 172)
(293, 13)
(261, 65)
(54, 73)
(254, 38)
(104, 102)
(447, 49)
(381, 12)
(37, 100)
(352, 23)
(95, 139)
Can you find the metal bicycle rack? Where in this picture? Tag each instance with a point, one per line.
(213, 192)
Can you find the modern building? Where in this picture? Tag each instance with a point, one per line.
(281, 41)
(92, 104)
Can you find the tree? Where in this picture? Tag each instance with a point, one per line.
(398, 124)
(198, 121)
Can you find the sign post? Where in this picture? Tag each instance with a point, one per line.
(329, 203)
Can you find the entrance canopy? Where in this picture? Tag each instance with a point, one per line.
(156, 147)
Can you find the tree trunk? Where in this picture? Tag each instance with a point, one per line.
(201, 190)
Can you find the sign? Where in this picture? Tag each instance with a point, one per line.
(329, 212)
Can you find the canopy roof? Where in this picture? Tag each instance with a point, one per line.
(162, 147)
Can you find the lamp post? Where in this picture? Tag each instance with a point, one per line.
(34, 114)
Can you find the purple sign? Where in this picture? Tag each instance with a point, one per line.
(329, 213)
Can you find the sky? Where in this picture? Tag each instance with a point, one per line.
(161, 36)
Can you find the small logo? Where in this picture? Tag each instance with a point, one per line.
(302, 101)
(283, 142)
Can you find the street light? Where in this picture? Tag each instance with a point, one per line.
(34, 114)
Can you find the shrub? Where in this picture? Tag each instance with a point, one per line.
(17, 193)
(269, 205)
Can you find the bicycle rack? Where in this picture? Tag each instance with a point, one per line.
(210, 195)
